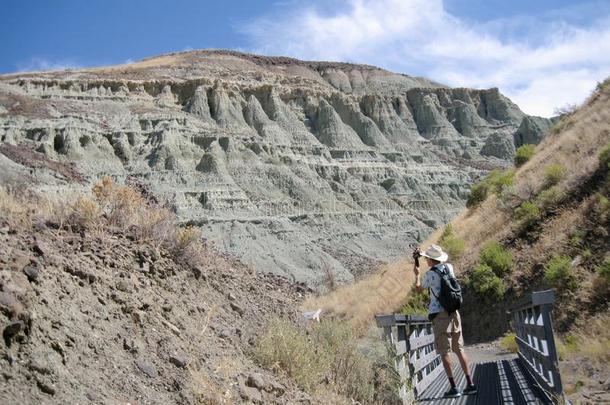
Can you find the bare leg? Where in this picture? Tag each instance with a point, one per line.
(446, 358)
(461, 354)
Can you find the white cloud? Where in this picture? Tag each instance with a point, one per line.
(559, 64)
(42, 64)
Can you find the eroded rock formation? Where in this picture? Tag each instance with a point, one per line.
(296, 167)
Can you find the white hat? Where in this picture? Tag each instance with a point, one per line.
(435, 252)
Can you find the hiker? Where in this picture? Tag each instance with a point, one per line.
(447, 325)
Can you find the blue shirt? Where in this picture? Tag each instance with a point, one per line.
(433, 282)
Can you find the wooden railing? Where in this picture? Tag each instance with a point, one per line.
(412, 341)
(533, 326)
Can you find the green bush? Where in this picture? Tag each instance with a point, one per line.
(496, 181)
(417, 303)
(527, 213)
(508, 342)
(499, 180)
(603, 270)
(559, 272)
(553, 174)
(328, 353)
(478, 194)
(453, 244)
(498, 259)
(550, 197)
(486, 283)
(604, 157)
(524, 153)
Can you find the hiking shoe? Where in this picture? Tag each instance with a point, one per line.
(470, 389)
(452, 393)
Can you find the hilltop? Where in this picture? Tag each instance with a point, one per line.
(328, 168)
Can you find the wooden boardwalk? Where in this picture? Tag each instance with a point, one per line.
(530, 377)
(498, 382)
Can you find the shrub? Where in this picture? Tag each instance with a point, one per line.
(285, 348)
(550, 198)
(496, 181)
(604, 157)
(601, 207)
(478, 194)
(508, 342)
(603, 85)
(498, 259)
(485, 282)
(499, 180)
(553, 174)
(328, 353)
(453, 244)
(121, 205)
(524, 153)
(527, 213)
(185, 237)
(603, 271)
(559, 272)
(83, 213)
(417, 303)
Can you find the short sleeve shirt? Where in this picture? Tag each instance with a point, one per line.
(433, 282)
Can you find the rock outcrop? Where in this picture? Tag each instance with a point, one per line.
(296, 167)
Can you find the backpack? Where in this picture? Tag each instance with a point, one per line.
(450, 297)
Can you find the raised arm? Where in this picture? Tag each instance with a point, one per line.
(418, 286)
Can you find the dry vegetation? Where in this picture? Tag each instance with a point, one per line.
(109, 207)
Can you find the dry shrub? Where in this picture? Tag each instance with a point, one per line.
(123, 206)
(12, 208)
(84, 213)
(591, 342)
(109, 208)
(325, 358)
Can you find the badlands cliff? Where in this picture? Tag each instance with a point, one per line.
(299, 168)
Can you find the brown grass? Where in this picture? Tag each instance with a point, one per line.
(109, 208)
(576, 148)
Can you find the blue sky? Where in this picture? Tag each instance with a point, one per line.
(543, 54)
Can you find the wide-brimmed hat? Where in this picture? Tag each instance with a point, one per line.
(435, 252)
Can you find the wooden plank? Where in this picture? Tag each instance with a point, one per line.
(420, 341)
(533, 352)
(428, 379)
(535, 299)
(423, 361)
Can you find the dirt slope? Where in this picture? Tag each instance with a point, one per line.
(103, 316)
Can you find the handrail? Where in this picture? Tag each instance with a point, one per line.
(533, 326)
(416, 360)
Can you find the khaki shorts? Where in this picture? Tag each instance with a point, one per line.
(447, 332)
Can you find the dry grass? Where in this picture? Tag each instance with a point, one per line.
(109, 208)
(576, 148)
(590, 341)
(382, 292)
(324, 360)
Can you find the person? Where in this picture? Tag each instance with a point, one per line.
(447, 327)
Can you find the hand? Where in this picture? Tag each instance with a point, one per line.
(416, 270)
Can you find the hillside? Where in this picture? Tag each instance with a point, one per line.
(329, 168)
(104, 300)
(545, 226)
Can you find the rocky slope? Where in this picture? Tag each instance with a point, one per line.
(99, 315)
(296, 167)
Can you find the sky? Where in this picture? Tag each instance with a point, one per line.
(543, 54)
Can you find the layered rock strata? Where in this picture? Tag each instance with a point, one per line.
(300, 168)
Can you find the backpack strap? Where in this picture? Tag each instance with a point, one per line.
(440, 274)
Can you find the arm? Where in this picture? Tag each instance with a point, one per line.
(418, 286)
